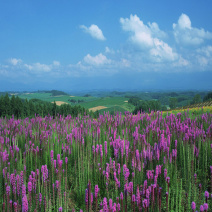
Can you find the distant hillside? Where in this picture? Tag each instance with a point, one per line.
(56, 92)
(201, 104)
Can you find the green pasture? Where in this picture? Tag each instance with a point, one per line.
(112, 103)
(49, 98)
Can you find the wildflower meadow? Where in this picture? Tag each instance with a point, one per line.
(124, 162)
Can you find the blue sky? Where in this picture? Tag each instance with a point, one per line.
(80, 44)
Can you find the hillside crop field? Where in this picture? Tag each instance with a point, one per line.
(148, 162)
(48, 97)
(112, 104)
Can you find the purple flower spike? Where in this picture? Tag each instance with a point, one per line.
(167, 179)
(24, 204)
(60, 209)
(201, 208)
(52, 154)
(29, 186)
(66, 160)
(145, 203)
(205, 206)
(193, 206)
(8, 190)
(121, 196)
(96, 190)
(206, 194)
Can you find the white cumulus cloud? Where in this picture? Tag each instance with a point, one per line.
(94, 31)
(147, 38)
(97, 60)
(187, 35)
(162, 51)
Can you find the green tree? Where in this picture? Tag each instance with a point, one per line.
(7, 107)
(13, 104)
(2, 109)
(196, 99)
(26, 109)
(208, 97)
(32, 108)
(54, 109)
(18, 111)
(173, 102)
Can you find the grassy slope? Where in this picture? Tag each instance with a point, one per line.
(112, 103)
(49, 98)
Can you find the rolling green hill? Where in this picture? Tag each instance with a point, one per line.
(110, 103)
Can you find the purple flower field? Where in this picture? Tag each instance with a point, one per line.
(148, 162)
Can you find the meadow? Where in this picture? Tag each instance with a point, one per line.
(124, 162)
(111, 103)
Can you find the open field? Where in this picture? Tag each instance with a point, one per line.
(49, 98)
(111, 104)
(116, 101)
(108, 103)
(97, 108)
(60, 103)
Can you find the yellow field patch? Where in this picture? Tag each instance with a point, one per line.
(72, 96)
(97, 108)
(60, 103)
(126, 101)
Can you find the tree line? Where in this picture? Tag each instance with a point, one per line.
(20, 108)
(146, 106)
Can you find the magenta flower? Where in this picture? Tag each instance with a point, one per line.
(206, 196)
(8, 190)
(167, 179)
(23, 190)
(105, 204)
(205, 206)
(40, 197)
(145, 203)
(66, 160)
(15, 206)
(52, 154)
(118, 207)
(193, 206)
(111, 204)
(121, 196)
(133, 197)
(201, 208)
(86, 196)
(60, 209)
(29, 187)
(24, 204)
(96, 190)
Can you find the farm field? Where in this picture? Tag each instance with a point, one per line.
(48, 97)
(112, 104)
(148, 162)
